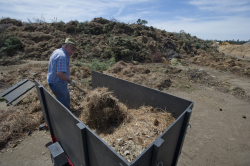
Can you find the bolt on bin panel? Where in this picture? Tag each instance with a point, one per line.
(66, 130)
(135, 95)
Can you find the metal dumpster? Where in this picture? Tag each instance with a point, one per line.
(83, 147)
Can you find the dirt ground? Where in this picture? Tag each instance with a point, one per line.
(219, 132)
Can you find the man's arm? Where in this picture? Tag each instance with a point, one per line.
(63, 76)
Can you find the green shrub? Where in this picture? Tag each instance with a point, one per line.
(108, 53)
(59, 25)
(83, 27)
(197, 45)
(96, 65)
(181, 42)
(84, 60)
(9, 44)
(107, 28)
(79, 64)
(203, 47)
(112, 61)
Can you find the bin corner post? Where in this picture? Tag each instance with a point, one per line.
(44, 107)
(182, 137)
(83, 136)
(156, 149)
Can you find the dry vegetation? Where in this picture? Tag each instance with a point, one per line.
(128, 131)
(104, 39)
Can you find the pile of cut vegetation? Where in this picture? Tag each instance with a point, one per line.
(14, 123)
(140, 75)
(127, 131)
(102, 111)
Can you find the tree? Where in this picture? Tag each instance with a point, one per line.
(141, 22)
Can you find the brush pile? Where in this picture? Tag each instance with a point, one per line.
(14, 123)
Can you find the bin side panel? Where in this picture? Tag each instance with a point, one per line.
(39, 90)
(64, 125)
(182, 136)
(135, 95)
(144, 159)
(171, 136)
(101, 154)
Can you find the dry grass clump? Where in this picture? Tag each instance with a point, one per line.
(14, 123)
(102, 111)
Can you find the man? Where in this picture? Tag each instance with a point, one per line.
(59, 71)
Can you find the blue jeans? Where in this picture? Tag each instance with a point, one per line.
(61, 92)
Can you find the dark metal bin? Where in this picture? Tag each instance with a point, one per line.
(84, 147)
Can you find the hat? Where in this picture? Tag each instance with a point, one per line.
(70, 42)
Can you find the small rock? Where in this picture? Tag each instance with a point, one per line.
(119, 139)
(220, 109)
(14, 145)
(243, 116)
(126, 153)
(135, 62)
(130, 138)
(29, 133)
(43, 153)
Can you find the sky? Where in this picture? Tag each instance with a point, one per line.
(205, 19)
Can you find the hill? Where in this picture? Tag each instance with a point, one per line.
(104, 39)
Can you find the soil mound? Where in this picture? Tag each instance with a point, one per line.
(141, 75)
(236, 49)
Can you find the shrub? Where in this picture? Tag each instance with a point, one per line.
(79, 64)
(197, 45)
(96, 65)
(59, 25)
(141, 22)
(203, 47)
(112, 61)
(84, 27)
(84, 60)
(9, 44)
